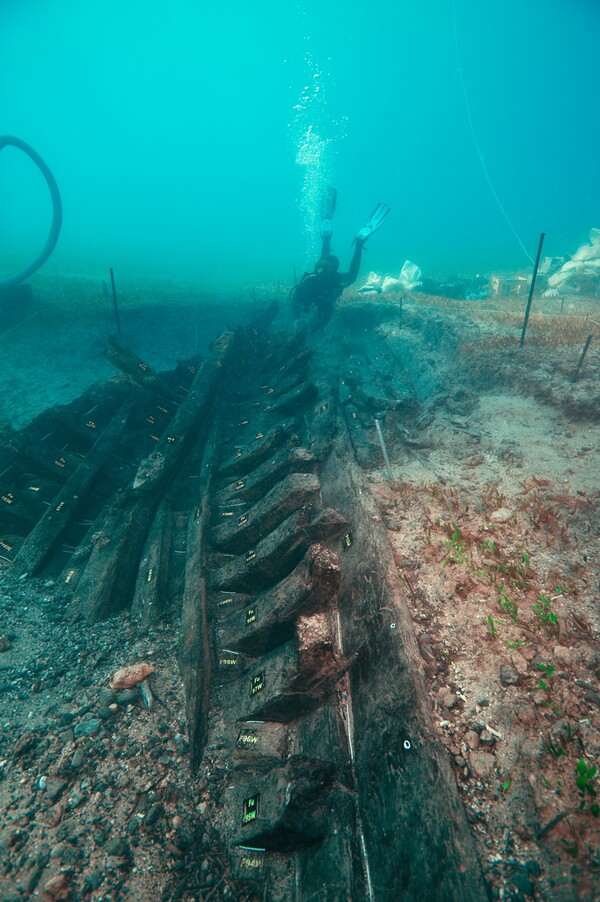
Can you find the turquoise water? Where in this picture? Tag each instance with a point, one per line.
(192, 140)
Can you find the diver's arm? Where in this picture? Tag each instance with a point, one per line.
(352, 273)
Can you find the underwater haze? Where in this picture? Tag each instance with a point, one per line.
(192, 140)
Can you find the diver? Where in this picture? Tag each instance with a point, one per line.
(323, 286)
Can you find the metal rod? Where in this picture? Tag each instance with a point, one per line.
(531, 287)
(114, 294)
(588, 341)
(384, 451)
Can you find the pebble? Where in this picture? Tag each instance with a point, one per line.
(154, 813)
(55, 787)
(57, 887)
(127, 697)
(483, 763)
(509, 675)
(472, 739)
(449, 700)
(502, 515)
(77, 759)
(118, 848)
(93, 880)
(5, 643)
(593, 698)
(87, 728)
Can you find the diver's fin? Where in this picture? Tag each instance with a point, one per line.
(328, 202)
(374, 221)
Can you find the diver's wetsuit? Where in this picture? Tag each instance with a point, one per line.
(323, 286)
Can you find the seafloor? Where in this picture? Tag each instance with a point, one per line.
(491, 511)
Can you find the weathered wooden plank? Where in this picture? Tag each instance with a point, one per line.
(260, 481)
(108, 580)
(69, 500)
(285, 810)
(407, 817)
(243, 461)
(242, 531)
(294, 401)
(270, 618)
(289, 681)
(149, 600)
(279, 552)
(195, 658)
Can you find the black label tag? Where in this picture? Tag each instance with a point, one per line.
(348, 540)
(247, 739)
(252, 862)
(227, 660)
(250, 809)
(251, 616)
(258, 683)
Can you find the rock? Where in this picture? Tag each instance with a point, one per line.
(449, 700)
(593, 698)
(483, 763)
(77, 759)
(106, 696)
(5, 643)
(567, 656)
(87, 728)
(93, 880)
(509, 676)
(118, 848)
(131, 676)
(146, 693)
(472, 739)
(486, 738)
(54, 787)
(58, 887)
(502, 515)
(128, 697)
(24, 744)
(522, 882)
(154, 813)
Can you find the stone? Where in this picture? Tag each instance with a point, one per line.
(118, 848)
(502, 515)
(509, 676)
(593, 698)
(55, 787)
(449, 700)
(5, 643)
(472, 739)
(564, 655)
(58, 887)
(86, 728)
(93, 880)
(153, 814)
(483, 763)
(77, 759)
(128, 697)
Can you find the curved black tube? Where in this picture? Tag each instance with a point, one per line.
(52, 238)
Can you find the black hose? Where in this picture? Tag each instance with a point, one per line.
(6, 140)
